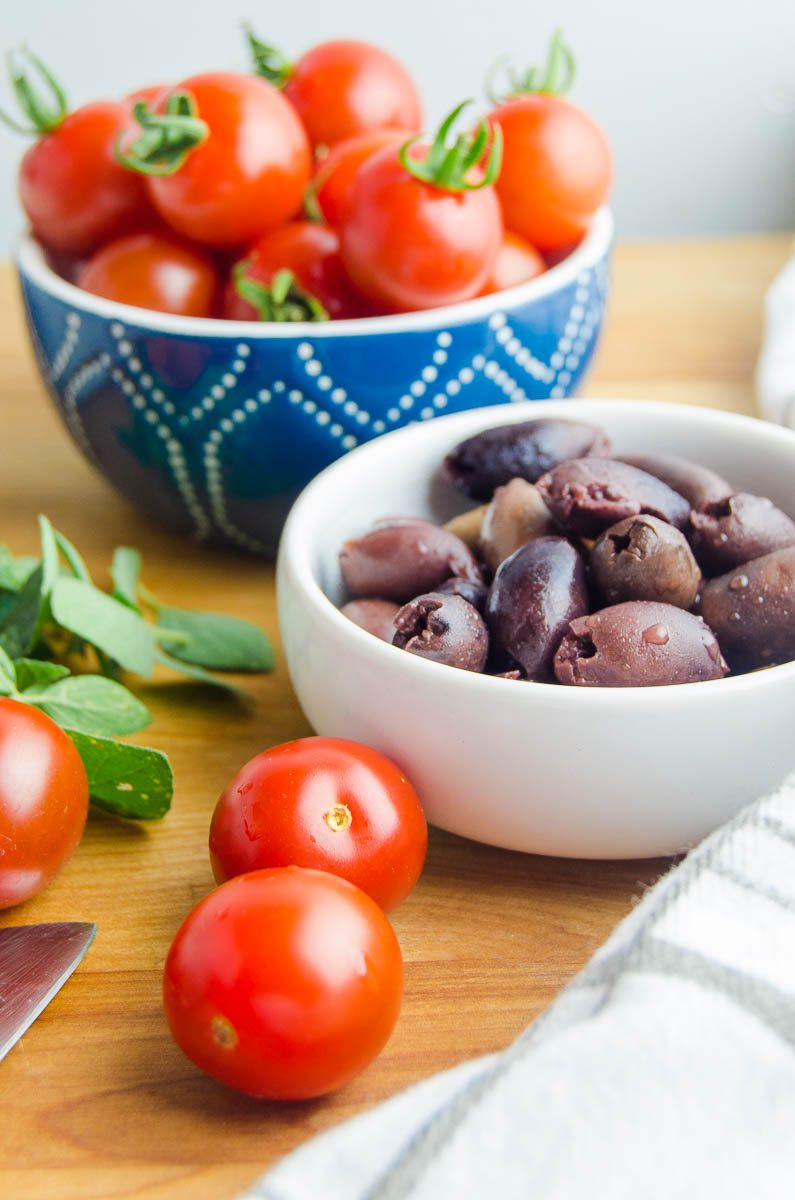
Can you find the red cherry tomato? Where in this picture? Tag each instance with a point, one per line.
(249, 174)
(312, 254)
(408, 244)
(343, 87)
(155, 271)
(43, 801)
(326, 803)
(516, 262)
(335, 174)
(74, 192)
(556, 170)
(284, 984)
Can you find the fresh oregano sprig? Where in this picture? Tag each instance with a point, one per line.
(64, 643)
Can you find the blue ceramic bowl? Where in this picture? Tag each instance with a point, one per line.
(213, 427)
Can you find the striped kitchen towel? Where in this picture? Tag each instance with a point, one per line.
(665, 1069)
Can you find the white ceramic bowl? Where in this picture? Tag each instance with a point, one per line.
(580, 772)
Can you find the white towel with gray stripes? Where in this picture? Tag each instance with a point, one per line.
(665, 1069)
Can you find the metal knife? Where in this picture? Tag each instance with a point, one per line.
(35, 962)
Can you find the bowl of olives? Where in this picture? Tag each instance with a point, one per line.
(573, 625)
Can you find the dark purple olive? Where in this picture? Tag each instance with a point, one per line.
(644, 558)
(376, 616)
(696, 483)
(516, 514)
(535, 593)
(737, 529)
(444, 628)
(752, 610)
(403, 558)
(524, 451)
(638, 644)
(587, 495)
(475, 594)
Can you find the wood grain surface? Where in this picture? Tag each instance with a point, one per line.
(96, 1100)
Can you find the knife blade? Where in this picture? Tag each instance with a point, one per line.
(35, 963)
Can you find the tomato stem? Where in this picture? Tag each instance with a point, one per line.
(268, 61)
(166, 139)
(338, 818)
(45, 113)
(282, 300)
(447, 166)
(553, 79)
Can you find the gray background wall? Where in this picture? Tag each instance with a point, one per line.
(698, 98)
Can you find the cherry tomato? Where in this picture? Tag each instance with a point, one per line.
(312, 254)
(74, 192)
(43, 801)
(283, 983)
(334, 176)
(516, 262)
(250, 173)
(326, 803)
(408, 244)
(155, 271)
(556, 170)
(344, 87)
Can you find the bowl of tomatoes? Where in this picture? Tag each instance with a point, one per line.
(234, 280)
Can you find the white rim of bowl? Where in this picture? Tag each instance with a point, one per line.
(297, 553)
(33, 265)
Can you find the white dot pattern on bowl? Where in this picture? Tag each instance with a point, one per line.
(219, 411)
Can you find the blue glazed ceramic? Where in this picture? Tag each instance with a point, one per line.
(213, 427)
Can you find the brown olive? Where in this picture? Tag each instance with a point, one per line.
(444, 628)
(467, 525)
(587, 495)
(403, 558)
(752, 610)
(737, 529)
(524, 450)
(644, 558)
(638, 644)
(515, 514)
(475, 594)
(535, 593)
(696, 483)
(376, 616)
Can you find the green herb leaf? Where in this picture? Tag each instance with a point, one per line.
(130, 781)
(191, 671)
(72, 556)
(15, 571)
(216, 641)
(91, 704)
(49, 555)
(35, 672)
(105, 623)
(125, 571)
(8, 676)
(20, 622)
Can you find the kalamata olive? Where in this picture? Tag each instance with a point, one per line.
(376, 616)
(638, 644)
(752, 610)
(444, 628)
(475, 594)
(515, 514)
(587, 495)
(696, 483)
(525, 451)
(403, 558)
(644, 558)
(467, 525)
(535, 593)
(737, 529)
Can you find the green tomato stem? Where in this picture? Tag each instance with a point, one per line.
(268, 61)
(166, 139)
(447, 166)
(44, 112)
(282, 300)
